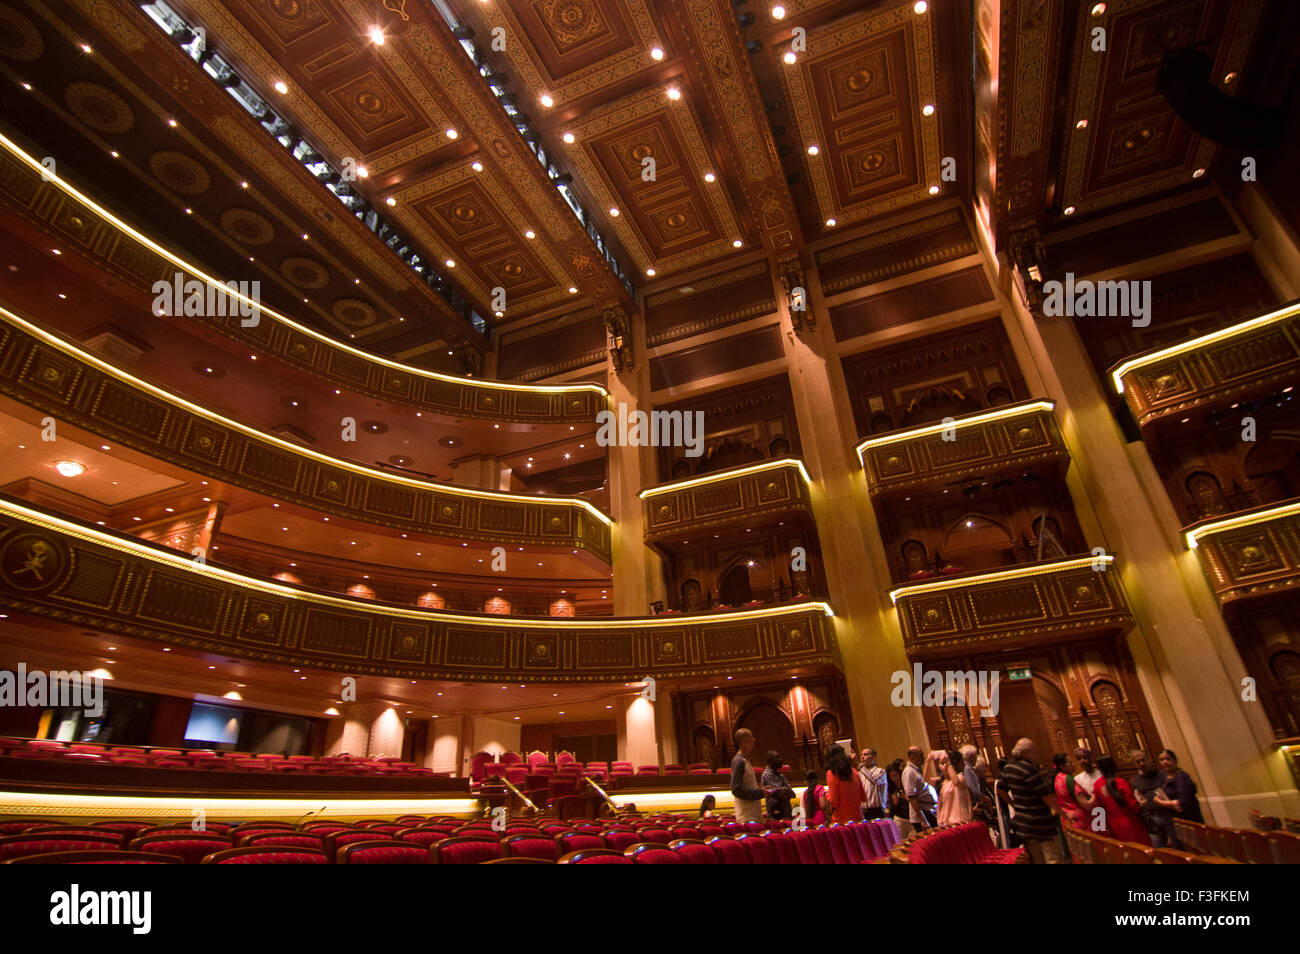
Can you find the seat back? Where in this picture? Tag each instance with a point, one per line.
(728, 851)
(826, 849)
(1284, 847)
(757, 849)
(254, 855)
(653, 853)
(383, 852)
(1255, 845)
(191, 848)
(465, 850)
(97, 858)
(535, 845)
(1193, 836)
(16, 846)
(694, 852)
(595, 856)
(804, 847)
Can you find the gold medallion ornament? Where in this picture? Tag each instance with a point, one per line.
(32, 562)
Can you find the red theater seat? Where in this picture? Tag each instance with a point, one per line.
(191, 848)
(757, 849)
(276, 839)
(694, 852)
(383, 852)
(465, 850)
(96, 858)
(531, 846)
(782, 847)
(727, 851)
(421, 836)
(848, 841)
(16, 846)
(653, 853)
(571, 841)
(254, 855)
(595, 856)
(620, 840)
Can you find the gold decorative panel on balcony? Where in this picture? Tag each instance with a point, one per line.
(1019, 606)
(44, 372)
(1253, 553)
(1006, 439)
(93, 232)
(740, 494)
(1253, 359)
(83, 576)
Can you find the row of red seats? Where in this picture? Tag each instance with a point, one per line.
(967, 844)
(209, 760)
(431, 843)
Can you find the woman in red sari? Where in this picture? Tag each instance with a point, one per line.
(1115, 796)
(1067, 792)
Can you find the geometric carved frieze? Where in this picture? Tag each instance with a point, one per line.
(1040, 602)
(59, 379)
(737, 495)
(938, 455)
(151, 593)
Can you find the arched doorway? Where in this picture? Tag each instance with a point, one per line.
(773, 732)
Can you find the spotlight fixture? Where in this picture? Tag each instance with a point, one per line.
(813, 150)
(656, 54)
(546, 101)
(568, 137)
(789, 57)
(476, 166)
(281, 87)
(376, 36)
(778, 12)
(674, 93)
(650, 272)
(69, 468)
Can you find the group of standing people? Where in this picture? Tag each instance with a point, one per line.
(946, 788)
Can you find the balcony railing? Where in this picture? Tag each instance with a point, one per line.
(739, 495)
(94, 233)
(55, 377)
(1015, 607)
(1005, 441)
(80, 575)
(1254, 359)
(1255, 553)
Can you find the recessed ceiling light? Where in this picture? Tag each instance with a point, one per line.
(104, 447)
(363, 172)
(650, 272)
(546, 101)
(789, 56)
(56, 251)
(281, 87)
(656, 53)
(737, 243)
(934, 190)
(572, 290)
(85, 48)
(1069, 210)
(114, 153)
(376, 36)
(69, 468)
(391, 201)
(27, 86)
(449, 263)
(674, 93)
(709, 177)
(1198, 173)
(172, 123)
(452, 134)
(778, 13)
(613, 212)
(476, 166)
(530, 234)
(1081, 124)
(243, 184)
(568, 137)
(921, 6)
(1098, 9)
(830, 222)
(927, 109)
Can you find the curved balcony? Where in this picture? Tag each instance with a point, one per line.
(54, 568)
(1255, 359)
(1255, 553)
(46, 373)
(738, 495)
(82, 225)
(938, 456)
(1013, 608)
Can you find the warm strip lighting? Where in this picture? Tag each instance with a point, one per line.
(297, 449)
(722, 475)
(113, 806)
(184, 562)
(1282, 314)
(1193, 537)
(1019, 573)
(913, 433)
(198, 273)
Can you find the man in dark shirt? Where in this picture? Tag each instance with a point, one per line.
(1158, 819)
(1034, 820)
(744, 786)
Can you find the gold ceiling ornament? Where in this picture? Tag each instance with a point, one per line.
(398, 7)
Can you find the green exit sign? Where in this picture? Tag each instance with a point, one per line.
(1018, 673)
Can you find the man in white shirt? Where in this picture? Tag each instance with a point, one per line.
(876, 784)
(920, 796)
(1085, 780)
